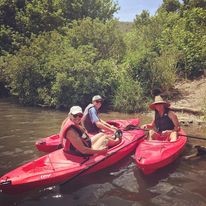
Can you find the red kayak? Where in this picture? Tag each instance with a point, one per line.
(58, 166)
(52, 143)
(154, 154)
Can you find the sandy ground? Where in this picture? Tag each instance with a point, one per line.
(191, 95)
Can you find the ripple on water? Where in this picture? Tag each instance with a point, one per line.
(28, 151)
(2, 146)
(17, 150)
(127, 181)
(92, 193)
(6, 137)
(180, 197)
(161, 188)
(7, 153)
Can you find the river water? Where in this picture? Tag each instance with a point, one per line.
(181, 183)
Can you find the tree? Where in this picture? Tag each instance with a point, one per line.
(27, 17)
(143, 19)
(170, 5)
(189, 4)
(105, 37)
(80, 9)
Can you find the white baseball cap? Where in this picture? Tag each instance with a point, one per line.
(75, 110)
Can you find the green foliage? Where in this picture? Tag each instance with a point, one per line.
(79, 9)
(107, 40)
(142, 20)
(40, 16)
(129, 95)
(152, 71)
(189, 36)
(150, 63)
(7, 13)
(189, 4)
(9, 39)
(50, 71)
(124, 27)
(170, 5)
(63, 52)
(22, 18)
(100, 79)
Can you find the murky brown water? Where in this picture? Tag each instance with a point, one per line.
(181, 183)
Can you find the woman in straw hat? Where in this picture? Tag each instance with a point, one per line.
(165, 124)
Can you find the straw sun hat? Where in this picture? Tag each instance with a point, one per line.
(158, 100)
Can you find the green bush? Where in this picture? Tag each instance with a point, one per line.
(128, 95)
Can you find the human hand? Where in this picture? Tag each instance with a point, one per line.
(144, 126)
(113, 128)
(166, 132)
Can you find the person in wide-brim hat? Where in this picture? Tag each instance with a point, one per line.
(165, 124)
(159, 100)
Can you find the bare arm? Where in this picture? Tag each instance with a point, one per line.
(109, 125)
(63, 123)
(75, 140)
(175, 121)
(149, 126)
(105, 126)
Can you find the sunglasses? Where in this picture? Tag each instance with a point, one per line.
(77, 115)
(99, 101)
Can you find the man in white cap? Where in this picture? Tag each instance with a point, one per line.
(165, 124)
(91, 121)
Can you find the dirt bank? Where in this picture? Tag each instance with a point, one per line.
(189, 100)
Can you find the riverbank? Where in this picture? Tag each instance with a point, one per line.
(187, 99)
(190, 101)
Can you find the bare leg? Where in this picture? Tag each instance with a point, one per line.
(152, 134)
(96, 137)
(112, 142)
(100, 143)
(100, 139)
(173, 136)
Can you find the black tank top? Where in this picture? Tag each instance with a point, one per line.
(85, 139)
(163, 123)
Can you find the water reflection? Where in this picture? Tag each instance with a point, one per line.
(181, 183)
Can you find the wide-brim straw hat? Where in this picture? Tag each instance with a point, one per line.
(159, 100)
